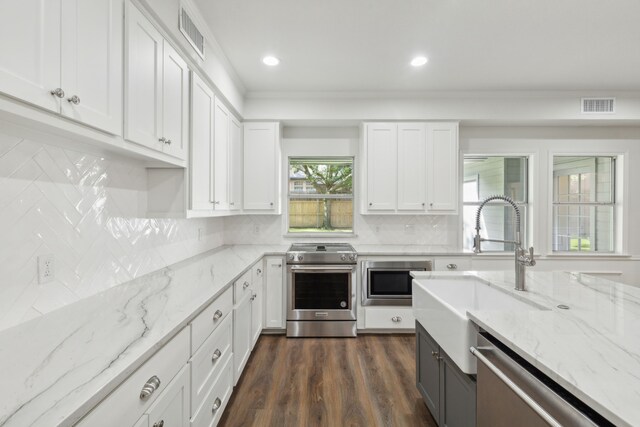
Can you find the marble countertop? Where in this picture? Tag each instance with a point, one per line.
(592, 349)
(57, 367)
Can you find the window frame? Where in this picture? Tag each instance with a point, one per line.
(526, 231)
(305, 196)
(614, 204)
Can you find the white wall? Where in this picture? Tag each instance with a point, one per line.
(89, 212)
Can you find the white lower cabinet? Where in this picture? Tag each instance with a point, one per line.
(274, 293)
(126, 405)
(389, 318)
(241, 337)
(171, 408)
(216, 400)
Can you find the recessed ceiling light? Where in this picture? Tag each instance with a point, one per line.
(419, 61)
(271, 61)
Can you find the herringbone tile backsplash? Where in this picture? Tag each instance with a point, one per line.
(87, 211)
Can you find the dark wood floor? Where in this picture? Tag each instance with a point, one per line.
(366, 381)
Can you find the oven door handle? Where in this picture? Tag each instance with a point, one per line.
(322, 268)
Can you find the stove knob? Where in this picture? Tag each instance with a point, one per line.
(291, 257)
(300, 257)
(343, 257)
(353, 257)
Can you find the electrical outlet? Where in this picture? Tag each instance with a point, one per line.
(46, 268)
(256, 229)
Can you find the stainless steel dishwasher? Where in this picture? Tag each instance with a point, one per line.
(511, 391)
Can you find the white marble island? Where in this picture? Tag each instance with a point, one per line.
(57, 367)
(592, 349)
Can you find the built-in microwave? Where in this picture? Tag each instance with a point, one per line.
(389, 282)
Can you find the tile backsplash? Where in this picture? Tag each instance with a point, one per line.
(89, 213)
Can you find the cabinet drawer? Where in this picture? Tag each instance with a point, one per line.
(389, 318)
(207, 362)
(217, 399)
(124, 406)
(242, 287)
(452, 264)
(210, 318)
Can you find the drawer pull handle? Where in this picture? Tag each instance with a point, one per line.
(159, 424)
(246, 285)
(217, 315)
(396, 319)
(216, 356)
(452, 266)
(149, 387)
(216, 404)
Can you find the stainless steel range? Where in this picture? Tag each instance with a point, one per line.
(321, 285)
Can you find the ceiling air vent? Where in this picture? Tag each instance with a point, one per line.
(191, 32)
(598, 105)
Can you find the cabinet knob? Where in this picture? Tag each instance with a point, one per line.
(431, 204)
(75, 99)
(452, 266)
(232, 203)
(436, 355)
(162, 139)
(149, 387)
(57, 92)
(216, 404)
(246, 285)
(216, 355)
(216, 203)
(168, 142)
(259, 271)
(217, 315)
(423, 203)
(396, 319)
(370, 204)
(159, 424)
(271, 204)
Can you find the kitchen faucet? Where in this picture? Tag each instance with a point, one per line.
(522, 258)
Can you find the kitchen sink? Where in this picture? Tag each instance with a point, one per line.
(441, 304)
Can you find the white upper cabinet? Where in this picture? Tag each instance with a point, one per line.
(156, 107)
(261, 167)
(202, 129)
(92, 71)
(410, 168)
(235, 165)
(65, 56)
(442, 167)
(381, 146)
(412, 152)
(221, 156)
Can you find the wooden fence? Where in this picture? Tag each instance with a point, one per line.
(310, 213)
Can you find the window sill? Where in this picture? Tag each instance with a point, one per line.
(319, 236)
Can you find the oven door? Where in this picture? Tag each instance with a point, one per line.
(324, 292)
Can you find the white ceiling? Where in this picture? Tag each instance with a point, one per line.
(366, 45)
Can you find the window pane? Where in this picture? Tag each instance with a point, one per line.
(322, 176)
(583, 179)
(486, 176)
(496, 222)
(320, 215)
(583, 228)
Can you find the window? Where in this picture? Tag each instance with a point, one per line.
(486, 176)
(320, 195)
(583, 204)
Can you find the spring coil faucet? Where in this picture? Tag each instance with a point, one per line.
(522, 258)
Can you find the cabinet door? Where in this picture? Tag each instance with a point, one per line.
(172, 406)
(202, 109)
(442, 167)
(457, 396)
(382, 147)
(175, 102)
(412, 160)
(92, 70)
(274, 293)
(30, 46)
(261, 166)
(221, 157)
(257, 313)
(143, 105)
(241, 336)
(428, 370)
(235, 165)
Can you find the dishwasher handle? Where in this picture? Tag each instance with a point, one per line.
(514, 387)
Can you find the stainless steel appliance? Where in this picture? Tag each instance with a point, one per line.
(510, 391)
(321, 295)
(389, 282)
